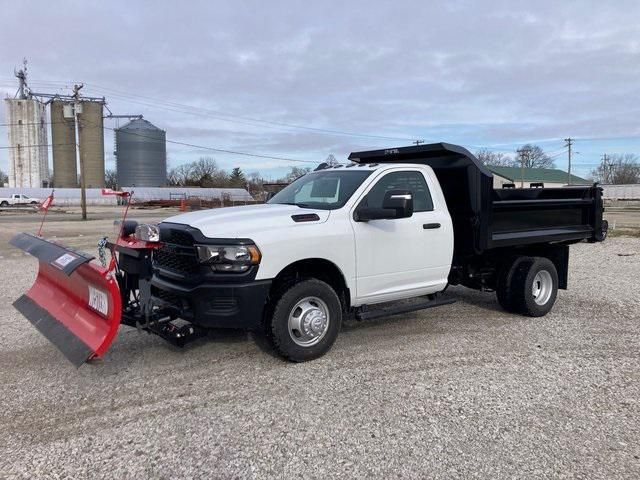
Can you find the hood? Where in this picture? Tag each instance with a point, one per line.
(244, 221)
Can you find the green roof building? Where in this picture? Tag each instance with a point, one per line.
(550, 177)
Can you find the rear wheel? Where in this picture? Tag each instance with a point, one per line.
(505, 279)
(306, 320)
(534, 287)
(4, 203)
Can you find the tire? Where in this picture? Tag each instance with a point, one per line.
(33, 203)
(4, 204)
(504, 281)
(314, 307)
(534, 287)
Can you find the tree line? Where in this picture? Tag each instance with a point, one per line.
(622, 168)
(206, 173)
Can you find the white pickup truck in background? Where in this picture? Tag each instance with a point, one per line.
(18, 199)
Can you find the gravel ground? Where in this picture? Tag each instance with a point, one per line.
(462, 391)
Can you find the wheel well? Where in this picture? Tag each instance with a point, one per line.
(318, 268)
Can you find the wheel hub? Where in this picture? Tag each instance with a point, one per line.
(542, 287)
(308, 321)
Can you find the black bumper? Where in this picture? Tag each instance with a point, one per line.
(215, 305)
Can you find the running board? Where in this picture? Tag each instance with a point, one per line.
(404, 308)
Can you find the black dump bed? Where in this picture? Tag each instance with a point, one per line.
(485, 218)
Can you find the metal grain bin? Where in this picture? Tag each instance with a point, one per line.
(141, 155)
(63, 141)
(91, 133)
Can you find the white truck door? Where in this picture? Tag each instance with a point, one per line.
(404, 257)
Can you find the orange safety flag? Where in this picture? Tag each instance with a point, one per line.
(47, 203)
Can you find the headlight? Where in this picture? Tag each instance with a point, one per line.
(229, 258)
(148, 233)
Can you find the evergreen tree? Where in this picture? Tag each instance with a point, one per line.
(237, 178)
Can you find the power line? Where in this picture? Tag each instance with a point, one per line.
(219, 150)
(238, 118)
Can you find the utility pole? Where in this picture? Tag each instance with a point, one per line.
(524, 154)
(606, 168)
(418, 142)
(568, 145)
(77, 109)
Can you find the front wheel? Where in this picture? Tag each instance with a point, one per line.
(306, 321)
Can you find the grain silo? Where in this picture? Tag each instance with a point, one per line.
(27, 132)
(91, 134)
(63, 141)
(141, 155)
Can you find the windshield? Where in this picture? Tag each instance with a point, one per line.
(326, 190)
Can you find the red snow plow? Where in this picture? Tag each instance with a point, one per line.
(75, 303)
(79, 304)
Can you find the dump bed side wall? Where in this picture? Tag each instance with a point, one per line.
(541, 215)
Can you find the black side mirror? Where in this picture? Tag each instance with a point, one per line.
(269, 196)
(396, 204)
(399, 200)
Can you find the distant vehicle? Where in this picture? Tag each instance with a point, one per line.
(18, 199)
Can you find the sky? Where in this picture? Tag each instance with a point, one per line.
(302, 80)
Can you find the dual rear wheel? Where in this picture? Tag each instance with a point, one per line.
(528, 285)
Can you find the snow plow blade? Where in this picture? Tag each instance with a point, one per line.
(74, 303)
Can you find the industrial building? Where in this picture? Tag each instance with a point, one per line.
(141, 154)
(27, 132)
(77, 139)
(63, 140)
(549, 177)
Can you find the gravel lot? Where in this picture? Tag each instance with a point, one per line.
(462, 391)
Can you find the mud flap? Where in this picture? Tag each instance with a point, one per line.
(74, 303)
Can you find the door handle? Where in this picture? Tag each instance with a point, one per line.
(430, 226)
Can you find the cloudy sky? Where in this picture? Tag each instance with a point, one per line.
(300, 80)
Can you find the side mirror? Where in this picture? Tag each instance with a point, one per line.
(396, 204)
(269, 196)
(399, 200)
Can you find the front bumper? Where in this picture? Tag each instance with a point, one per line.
(215, 305)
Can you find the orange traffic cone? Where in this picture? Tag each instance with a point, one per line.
(183, 205)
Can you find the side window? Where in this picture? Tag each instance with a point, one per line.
(413, 181)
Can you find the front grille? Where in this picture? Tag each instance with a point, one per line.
(183, 263)
(177, 255)
(179, 237)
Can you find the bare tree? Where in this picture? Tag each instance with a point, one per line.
(111, 179)
(331, 160)
(533, 156)
(204, 167)
(181, 175)
(618, 169)
(4, 178)
(295, 173)
(495, 159)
